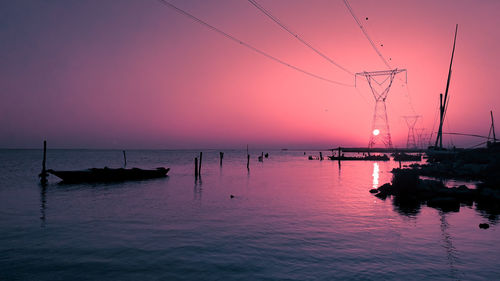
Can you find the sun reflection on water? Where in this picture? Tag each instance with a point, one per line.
(375, 175)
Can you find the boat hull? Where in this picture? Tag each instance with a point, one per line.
(109, 175)
(364, 158)
(406, 157)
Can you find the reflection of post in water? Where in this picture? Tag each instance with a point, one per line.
(375, 174)
(43, 201)
(451, 251)
(197, 188)
(340, 168)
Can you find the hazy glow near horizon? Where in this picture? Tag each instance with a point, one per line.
(139, 75)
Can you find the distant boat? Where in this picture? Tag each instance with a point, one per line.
(109, 175)
(401, 156)
(362, 158)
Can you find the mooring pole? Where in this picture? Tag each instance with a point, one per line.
(196, 168)
(248, 161)
(199, 170)
(124, 159)
(441, 117)
(43, 175)
(443, 103)
(320, 155)
(221, 155)
(44, 156)
(493, 126)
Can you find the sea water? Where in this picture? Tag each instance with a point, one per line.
(289, 219)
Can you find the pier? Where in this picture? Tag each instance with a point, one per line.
(378, 150)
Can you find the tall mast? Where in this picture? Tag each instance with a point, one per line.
(444, 102)
(493, 127)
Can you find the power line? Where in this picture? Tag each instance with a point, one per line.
(366, 34)
(232, 38)
(434, 124)
(351, 11)
(409, 98)
(468, 135)
(287, 29)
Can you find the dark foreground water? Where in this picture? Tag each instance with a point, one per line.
(290, 219)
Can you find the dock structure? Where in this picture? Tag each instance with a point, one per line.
(378, 150)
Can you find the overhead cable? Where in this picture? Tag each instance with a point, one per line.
(366, 34)
(230, 37)
(287, 29)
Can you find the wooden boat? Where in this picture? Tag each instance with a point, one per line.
(109, 175)
(362, 158)
(406, 157)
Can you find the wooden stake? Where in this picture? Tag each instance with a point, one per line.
(221, 155)
(199, 170)
(320, 155)
(248, 161)
(43, 175)
(44, 156)
(124, 159)
(196, 168)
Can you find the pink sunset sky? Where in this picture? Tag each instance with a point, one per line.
(136, 74)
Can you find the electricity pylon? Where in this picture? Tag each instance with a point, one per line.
(411, 121)
(422, 138)
(380, 123)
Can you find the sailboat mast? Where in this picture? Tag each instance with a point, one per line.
(444, 102)
(493, 126)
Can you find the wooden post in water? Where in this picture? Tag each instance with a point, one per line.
(124, 159)
(320, 155)
(248, 161)
(221, 155)
(196, 168)
(340, 151)
(199, 170)
(43, 175)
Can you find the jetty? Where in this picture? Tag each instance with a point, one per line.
(382, 157)
(378, 150)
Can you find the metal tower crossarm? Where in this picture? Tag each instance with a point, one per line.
(380, 73)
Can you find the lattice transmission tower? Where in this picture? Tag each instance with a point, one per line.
(380, 124)
(411, 121)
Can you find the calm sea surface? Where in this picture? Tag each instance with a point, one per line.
(290, 219)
